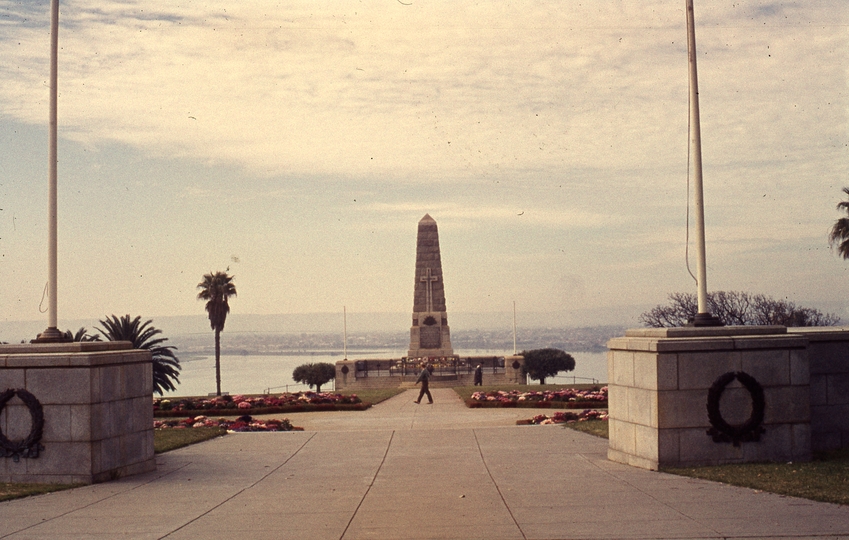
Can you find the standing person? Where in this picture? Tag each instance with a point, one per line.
(479, 376)
(424, 378)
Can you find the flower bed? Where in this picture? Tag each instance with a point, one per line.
(284, 403)
(241, 424)
(567, 398)
(564, 417)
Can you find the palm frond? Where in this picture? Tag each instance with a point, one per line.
(166, 365)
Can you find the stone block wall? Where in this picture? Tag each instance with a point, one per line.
(828, 349)
(659, 380)
(96, 401)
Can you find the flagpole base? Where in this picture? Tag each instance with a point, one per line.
(705, 319)
(51, 335)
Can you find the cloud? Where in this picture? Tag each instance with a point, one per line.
(384, 88)
(552, 136)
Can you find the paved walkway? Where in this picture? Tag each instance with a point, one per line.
(402, 470)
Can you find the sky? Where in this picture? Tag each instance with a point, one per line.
(296, 145)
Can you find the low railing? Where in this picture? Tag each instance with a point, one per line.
(450, 366)
(590, 380)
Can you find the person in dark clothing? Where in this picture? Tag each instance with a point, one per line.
(424, 378)
(479, 376)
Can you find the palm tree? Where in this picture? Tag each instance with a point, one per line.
(81, 335)
(840, 232)
(166, 366)
(216, 289)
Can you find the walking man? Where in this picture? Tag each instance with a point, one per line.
(478, 376)
(424, 378)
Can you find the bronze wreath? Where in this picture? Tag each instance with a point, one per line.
(748, 431)
(30, 446)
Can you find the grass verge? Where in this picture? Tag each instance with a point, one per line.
(19, 491)
(377, 395)
(593, 427)
(165, 440)
(825, 479)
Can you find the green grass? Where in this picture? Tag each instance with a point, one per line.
(165, 440)
(19, 491)
(465, 392)
(378, 394)
(825, 479)
(593, 427)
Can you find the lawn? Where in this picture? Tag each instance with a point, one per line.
(593, 427)
(824, 479)
(377, 395)
(163, 441)
(18, 491)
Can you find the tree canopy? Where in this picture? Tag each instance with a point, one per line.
(736, 308)
(217, 288)
(543, 363)
(314, 374)
(166, 365)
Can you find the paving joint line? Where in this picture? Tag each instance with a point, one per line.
(652, 497)
(98, 501)
(368, 489)
(230, 498)
(494, 483)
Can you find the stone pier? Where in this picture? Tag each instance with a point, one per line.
(75, 412)
(684, 397)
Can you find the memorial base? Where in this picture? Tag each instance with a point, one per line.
(681, 397)
(90, 404)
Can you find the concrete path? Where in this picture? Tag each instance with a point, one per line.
(402, 470)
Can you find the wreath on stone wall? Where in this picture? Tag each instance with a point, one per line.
(748, 431)
(30, 446)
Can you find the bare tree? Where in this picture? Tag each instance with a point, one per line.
(736, 308)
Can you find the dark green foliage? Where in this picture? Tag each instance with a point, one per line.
(166, 366)
(736, 308)
(542, 363)
(216, 288)
(81, 335)
(839, 235)
(314, 374)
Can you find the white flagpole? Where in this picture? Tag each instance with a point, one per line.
(345, 329)
(52, 334)
(514, 328)
(703, 318)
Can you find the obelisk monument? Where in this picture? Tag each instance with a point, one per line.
(429, 336)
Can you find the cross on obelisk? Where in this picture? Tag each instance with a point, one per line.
(429, 281)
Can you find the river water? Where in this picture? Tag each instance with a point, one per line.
(255, 374)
